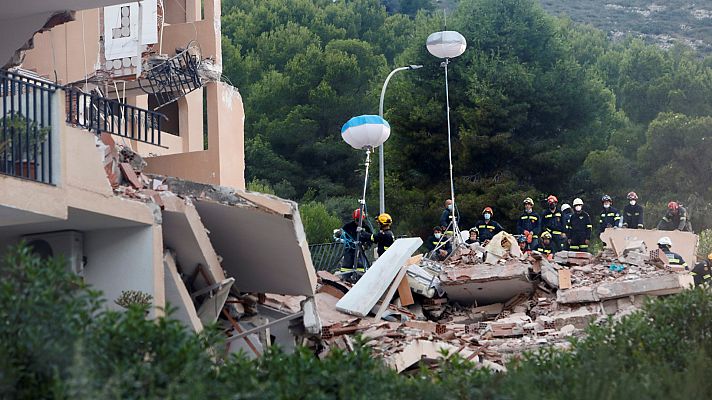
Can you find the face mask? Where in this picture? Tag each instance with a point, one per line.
(632, 202)
(528, 208)
(552, 206)
(438, 235)
(449, 207)
(606, 206)
(577, 208)
(488, 215)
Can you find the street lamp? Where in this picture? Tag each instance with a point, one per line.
(381, 166)
(364, 132)
(447, 45)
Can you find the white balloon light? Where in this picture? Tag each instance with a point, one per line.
(365, 132)
(446, 44)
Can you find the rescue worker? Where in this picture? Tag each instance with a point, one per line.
(486, 227)
(384, 238)
(675, 219)
(579, 228)
(553, 222)
(523, 244)
(664, 244)
(529, 223)
(351, 239)
(546, 247)
(633, 213)
(473, 237)
(447, 216)
(610, 217)
(440, 242)
(566, 212)
(702, 272)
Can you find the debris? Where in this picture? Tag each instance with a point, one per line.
(369, 289)
(486, 284)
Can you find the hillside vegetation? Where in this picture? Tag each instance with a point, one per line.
(540, 105)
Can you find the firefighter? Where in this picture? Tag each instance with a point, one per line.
(552, 222)
(675, 219)
(486, 227)
(529, 223)
(566, 213)
(447, 216)
(384, 238)
(579, 228)
(352, 238)
(523, 244)
(633, 213)
(664, 244)
(546, 247)
(702, 272)
(610, 217)
(473, 237)
(438, 245)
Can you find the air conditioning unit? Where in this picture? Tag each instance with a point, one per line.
(69, 244)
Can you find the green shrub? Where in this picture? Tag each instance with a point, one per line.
(318, 223)
(704, 247)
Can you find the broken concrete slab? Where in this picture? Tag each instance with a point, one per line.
(418, 350)
(177, 295)
(369, 289)
(654, 286)
(184, 233)
(486, 284)
(271, 255)
(210, 309)
(683, 243)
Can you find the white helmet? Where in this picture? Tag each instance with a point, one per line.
(565, 207)
(665, 241)
(578, 202)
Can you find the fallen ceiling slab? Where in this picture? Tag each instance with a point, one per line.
(177, 295)
(260, 237)
(486, 284)
(683, 243)
(184, 233)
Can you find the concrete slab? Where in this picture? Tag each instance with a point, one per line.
(177, 296)
(184, 233)
(683, 243)
(654, 286)
(486, 284)
(260, 237)
(373, 284)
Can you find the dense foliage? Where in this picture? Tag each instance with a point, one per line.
(539, 105)
(57, 342)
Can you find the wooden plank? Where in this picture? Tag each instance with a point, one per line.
(391, 291)
(404, 292)
(564, 279)
(370, 288)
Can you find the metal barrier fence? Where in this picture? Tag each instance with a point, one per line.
(326, 256)
(26, 127)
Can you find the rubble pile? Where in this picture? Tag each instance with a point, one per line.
(490, 310)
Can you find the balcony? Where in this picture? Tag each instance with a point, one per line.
(26, 127)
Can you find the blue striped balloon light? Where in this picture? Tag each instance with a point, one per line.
(366, 132)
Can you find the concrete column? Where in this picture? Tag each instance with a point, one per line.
(226, 133)
(190, 114)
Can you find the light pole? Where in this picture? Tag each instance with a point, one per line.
(364, 132)
(447, 45)
(381, 165)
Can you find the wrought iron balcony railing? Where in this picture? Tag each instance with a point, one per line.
(26, 127)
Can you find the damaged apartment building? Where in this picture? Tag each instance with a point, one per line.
(122, 150)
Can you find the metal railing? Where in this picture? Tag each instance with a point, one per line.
(100, 114)
(326, 256)
(26, 127)
(173, 78)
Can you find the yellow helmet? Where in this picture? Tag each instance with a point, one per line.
(384, 219)
(546, 235)
(709, 256)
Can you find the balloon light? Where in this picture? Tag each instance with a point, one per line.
(446, 44)
(366, 132)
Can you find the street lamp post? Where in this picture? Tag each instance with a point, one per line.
(447, 45)
(364, 132)
(381, 165)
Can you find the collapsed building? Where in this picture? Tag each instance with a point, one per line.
(490, 304)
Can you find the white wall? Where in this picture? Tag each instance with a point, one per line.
(119, 259)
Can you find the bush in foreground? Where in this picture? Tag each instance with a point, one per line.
(56, 342)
